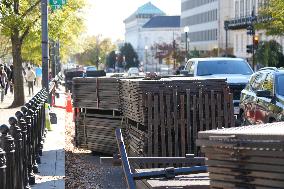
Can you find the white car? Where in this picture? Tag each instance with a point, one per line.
(235, 70)
(133, 71)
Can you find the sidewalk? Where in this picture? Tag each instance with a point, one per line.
(52, 167)
(8, 100)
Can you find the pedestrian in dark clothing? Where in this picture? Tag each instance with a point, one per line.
(3, 79)
(8, 72)
(11, 78)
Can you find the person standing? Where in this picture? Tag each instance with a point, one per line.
(8, 72)
(38, 72)
(30, 77)
(3, 79)
(11, 78)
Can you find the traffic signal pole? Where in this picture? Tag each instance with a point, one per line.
(251, 31)
(253, 52)
(44, 44)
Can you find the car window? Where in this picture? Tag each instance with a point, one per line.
(211, 67)
(190, 67)
(280, 85)
(268, 83)
(257, 81)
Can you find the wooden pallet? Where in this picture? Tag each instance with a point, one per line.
(172, 117)
(133, 92)
(96, 92)
(246, 157)
(95, 130)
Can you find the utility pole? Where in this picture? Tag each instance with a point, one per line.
(44, 44)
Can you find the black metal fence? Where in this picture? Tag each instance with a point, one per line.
(21, 144)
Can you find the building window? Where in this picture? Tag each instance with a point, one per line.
(191, 4)
(248, 9)
(204, 17)
(242, 42)
(237, 8)
(206, 35)
(253, 5)
(248, 38)
(237, 43)
(242, 9)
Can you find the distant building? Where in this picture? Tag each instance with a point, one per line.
(205, 19)
(243, 9)
(149, 26)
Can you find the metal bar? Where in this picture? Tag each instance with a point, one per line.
(139, 160)
(169, 172)
(125, 163)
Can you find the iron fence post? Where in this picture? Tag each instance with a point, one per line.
(23, 125)
(2, 169)
(32, 126)
(7, 144)
(29, 146)
(15, 132)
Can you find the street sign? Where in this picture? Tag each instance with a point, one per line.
(55, 7)
(57, 2)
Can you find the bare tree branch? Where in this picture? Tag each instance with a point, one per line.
(27, 30)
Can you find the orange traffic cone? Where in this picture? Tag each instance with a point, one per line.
(68, 103)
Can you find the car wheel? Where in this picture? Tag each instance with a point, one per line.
(271, 120)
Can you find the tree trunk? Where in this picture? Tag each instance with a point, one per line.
(19, 96)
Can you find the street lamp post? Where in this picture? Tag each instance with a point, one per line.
(116, 60)
(186, 30)
(44, 39)
(146, 58)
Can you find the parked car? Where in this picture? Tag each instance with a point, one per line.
(91, 68)
(262, 101)
(236, 70)
(133, 71)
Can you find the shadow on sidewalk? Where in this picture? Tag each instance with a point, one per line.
(51, 170)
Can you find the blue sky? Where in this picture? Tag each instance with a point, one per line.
(106, 16)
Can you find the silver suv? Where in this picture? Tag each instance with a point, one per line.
(236, 70)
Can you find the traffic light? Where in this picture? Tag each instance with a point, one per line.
(250, 49)
(174, 44)
(250, 30)
(255, 41)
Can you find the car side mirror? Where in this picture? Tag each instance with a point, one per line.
(263, 93)
(186, 73)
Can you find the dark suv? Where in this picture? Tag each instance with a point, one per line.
(262, 101)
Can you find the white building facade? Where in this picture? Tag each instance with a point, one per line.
(205, 20)
(134, 24)
(149, 26)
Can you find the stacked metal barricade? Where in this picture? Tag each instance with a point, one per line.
(96, 103)
(245, 157)
(21, 144)
(163, 117)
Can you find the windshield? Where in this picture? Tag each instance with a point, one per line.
(223, 67)
(280, 85)
(133, 70)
